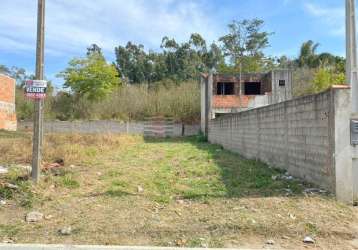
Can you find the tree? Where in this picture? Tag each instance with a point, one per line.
(284, 62)
(325, 78)
(91, 77)
(93, 49)
(245, 43)
(198, 41)
(214, 57)
(133, 63)
(4, 69)
(177, 62)
(308, 56)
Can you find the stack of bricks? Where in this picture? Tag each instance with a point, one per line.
(7, 103)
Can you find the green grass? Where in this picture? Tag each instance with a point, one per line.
(9, 230)
(192, 194)
(23, 193)
(13, 135)
(168, 169)
(312, 228)
(194, 169)
(69, 181)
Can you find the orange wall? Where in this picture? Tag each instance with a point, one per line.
(7, 103)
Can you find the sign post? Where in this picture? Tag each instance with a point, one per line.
(37, 91)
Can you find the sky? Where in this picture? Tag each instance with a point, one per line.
(72, 25)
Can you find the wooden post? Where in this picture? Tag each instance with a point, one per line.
(38, 117)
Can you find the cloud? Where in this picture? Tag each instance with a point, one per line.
(333, 17)
(73, 25)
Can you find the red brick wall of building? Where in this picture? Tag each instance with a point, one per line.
(7, 103)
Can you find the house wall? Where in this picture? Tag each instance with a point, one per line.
(297, 135)
(259, 101)
(255, 77)
(7, 103)
(222, 78)
(279, 93)
(270, 93)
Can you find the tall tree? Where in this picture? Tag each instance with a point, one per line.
(132, 62)
(94, 48)
(308, 56)
(177, 61)
(245, 43)
(213, 57)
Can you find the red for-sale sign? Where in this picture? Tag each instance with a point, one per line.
(36, 89)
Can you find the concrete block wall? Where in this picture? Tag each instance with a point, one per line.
(95, 127)
(7, 103)
(297, 135)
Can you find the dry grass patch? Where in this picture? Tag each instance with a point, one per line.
(131, 191)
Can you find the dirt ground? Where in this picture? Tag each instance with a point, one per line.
(127, 190)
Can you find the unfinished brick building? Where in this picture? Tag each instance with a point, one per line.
(223, 94)
(7, 103)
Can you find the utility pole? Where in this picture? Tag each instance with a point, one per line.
(351, 53)
(240, 85)
(39, 103)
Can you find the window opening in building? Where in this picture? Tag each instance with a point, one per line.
(225, 88)
(252, 88)
(282, 83)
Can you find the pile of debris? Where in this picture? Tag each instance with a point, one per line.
(3, 170)
(286, 176)
(58, 163)
(315, 191)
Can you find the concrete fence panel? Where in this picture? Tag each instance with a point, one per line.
(298, 135)
(116, 127)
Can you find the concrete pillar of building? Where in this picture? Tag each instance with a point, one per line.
(203, 93)
(211, 115)
(206, 89)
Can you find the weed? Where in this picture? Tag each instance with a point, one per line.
(114, 173)
(9, 230)
(311, 228)
(163, 199)
(119, 183)
(70, 182)
(26, 197)
(117, 193)
(91, 151)
(195, 242)
(6, 193)
(22, 193)
(215, 243)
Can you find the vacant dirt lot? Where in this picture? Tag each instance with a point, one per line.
(131, 191)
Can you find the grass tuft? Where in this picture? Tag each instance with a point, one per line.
(68, 181)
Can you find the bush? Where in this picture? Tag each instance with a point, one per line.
(125, 103)
(135, 102)
(310, 81)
